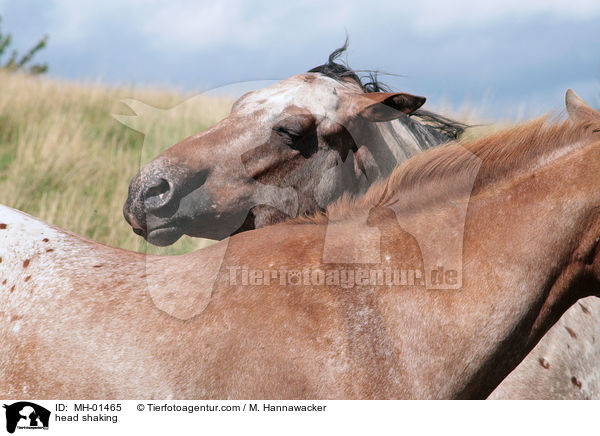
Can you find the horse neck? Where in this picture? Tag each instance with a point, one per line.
(393, 142)
(525, 241)
(538, 239)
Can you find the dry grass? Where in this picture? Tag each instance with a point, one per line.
(66, 160)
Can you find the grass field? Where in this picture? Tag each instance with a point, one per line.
(65, 159)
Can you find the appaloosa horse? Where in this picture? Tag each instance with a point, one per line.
(284, 151)
(83, 320)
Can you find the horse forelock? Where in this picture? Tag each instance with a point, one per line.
(341, 72)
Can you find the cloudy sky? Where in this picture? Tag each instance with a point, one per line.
(507, 58)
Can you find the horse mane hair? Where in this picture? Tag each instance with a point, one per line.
(446, 172)
(370, 82)
(342, 72)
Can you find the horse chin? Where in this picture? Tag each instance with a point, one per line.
(227, 224)
(217, 231)
(217, 225)
(163, 236)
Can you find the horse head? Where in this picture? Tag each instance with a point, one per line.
(286, 150)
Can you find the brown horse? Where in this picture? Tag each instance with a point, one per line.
(562, 365)
(83, 320)
(284, 151)
(565, 362)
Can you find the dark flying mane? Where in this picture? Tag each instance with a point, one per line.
(341, 72)
(370, 83)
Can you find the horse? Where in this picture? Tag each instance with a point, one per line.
(286, 150)
(567, 374)
(83, 320)
(565, 363)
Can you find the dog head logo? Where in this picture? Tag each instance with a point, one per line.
(26, 415)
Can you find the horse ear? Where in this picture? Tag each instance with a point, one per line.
(387, 106)
(578, 109)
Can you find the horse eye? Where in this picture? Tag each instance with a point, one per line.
(285, 131)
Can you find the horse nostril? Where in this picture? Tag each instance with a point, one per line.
(157, 193)
(157, 188)
(139, 232)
